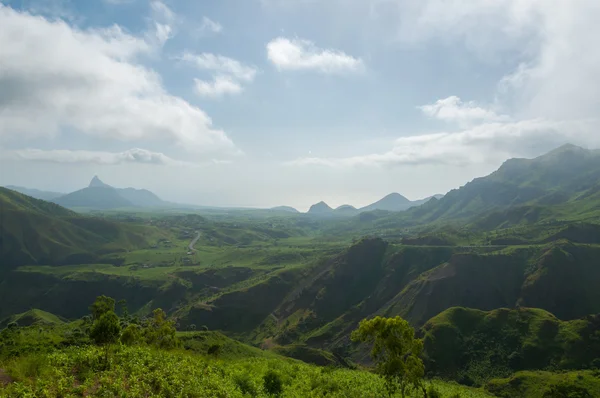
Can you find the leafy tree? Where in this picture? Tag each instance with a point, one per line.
(124, 310)
(159, 331)
(395, 351)
(105, 331)
(101, 306)
(131, 335)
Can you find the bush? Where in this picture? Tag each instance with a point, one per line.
(272, 383)
(432, 392)
(245, 384)
(214, 349)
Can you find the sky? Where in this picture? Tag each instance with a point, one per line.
(261, 103)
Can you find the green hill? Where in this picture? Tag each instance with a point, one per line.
(32, 317)
(474, 346)
(581, 384)
(33, 232)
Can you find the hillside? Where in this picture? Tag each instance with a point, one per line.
(33, 231)
(567, 176)
(32, 317)
(474, 346)
(35, 193)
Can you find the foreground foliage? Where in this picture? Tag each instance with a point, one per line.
(395, 351)
(148, 372)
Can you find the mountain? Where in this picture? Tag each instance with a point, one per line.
(97, 183)
(346, 210)
(565, 178)
(320, 208)
(34, 231)
(140, 197)
(99, 195)
(391, 202)
(96, 197)
(396, 202)
(35, 193)
(285, 208)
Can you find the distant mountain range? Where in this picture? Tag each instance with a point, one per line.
(391, 202)
(36, 193)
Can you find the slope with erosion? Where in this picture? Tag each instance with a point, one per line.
(474, 346)
(320, 305)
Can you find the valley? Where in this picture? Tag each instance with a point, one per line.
(498, 278)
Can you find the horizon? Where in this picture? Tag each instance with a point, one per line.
(269, 103)
(304, 209)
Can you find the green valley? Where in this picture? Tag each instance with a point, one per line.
(499, 280)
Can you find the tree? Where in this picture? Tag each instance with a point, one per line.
(131, 335)
(395, 351)
(159, 331)
(105, 331)
(101, 306)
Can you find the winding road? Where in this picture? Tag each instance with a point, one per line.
(193, 242)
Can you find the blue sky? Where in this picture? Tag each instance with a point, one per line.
(269, 102)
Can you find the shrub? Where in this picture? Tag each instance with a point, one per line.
(432, 392)
(245, 384)
(272, 383)
(214, 349)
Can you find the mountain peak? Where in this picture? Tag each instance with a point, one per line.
(320, 207)
(395, 197)
(96, 182)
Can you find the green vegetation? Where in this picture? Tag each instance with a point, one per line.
(499, 279)
(474, 346)
(582, 384)
(395, 351)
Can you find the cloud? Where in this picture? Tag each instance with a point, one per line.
(220, 64)
(209, 26)
(298, 54)
(486, 143)
(218, 87)
(228, 74)
(452, 109)
(134, 155)
(163, 21)
(57, 77)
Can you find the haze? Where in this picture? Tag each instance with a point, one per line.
(272, 102)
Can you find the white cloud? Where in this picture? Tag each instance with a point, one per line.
(209, 26)
(218, 87)
(298, 54)
(486, 143)
(163, 21)
(228, 73)
(452, 109)
(221, 65)
(56, 76)
(135, 155)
